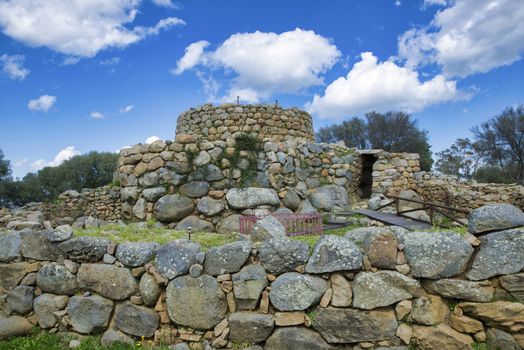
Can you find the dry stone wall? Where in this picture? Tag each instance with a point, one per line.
(223, 122)
(374, 288)
(202, 184)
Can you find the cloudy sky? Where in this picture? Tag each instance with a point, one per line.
(85, 75)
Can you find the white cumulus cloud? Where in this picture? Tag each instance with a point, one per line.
(61, 156)
(381, 86)
(126, 109)
(164, 3)
(42, 103)
(13, 66)
(265, 63)
(96, 115)
(467, 37)
(152, 139)
(76, 27)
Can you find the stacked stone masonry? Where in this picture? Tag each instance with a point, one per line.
(374, 288)
(224, 121)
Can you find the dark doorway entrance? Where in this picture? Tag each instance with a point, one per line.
(366, 177)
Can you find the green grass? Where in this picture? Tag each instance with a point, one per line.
(130, 233)
(47, 341)
(479, 346)
(312, 239)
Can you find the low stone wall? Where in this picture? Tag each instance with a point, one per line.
(395, 172)
(374, 288)
(222, 122)
(203, 184)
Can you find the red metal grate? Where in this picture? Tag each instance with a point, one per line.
(295, 224)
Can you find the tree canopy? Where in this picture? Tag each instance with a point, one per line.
(89, 170)
(391, 131)
(5, 167)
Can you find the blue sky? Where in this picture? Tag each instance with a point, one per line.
(98, 75)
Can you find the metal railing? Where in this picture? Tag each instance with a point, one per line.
(432, 209)
(295, 224)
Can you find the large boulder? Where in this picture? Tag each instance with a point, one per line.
(140, 209)
(56, 279)
(89, 314)
(20, 299)
(111, 337)
(198, 303)
(35, 245)
(174, 258)
(291, 200)
(296, 338)
(293, 291)
(383, 288)
(283, 255)
(173, 207)
(440, 337)
(10, 246)
(337, 194)
(334, 253)
(460, 289)
(436, 254)
(229, 224)
(429, 310)
(267, 228)
(14, 326)
(505, 315)
(12, 274)
(248, 284)
(149, 289)
(495, 217)
(228, 258)
(45, 306)
(136, 254)
(251, 197)
(136, 320)
(112, 282)
(250, 327)
(321, 200)
(196, 223)
(195, 189)
(375, 325)
(153, 194)
(500, 253)
(59, 234)
(85, 249)
(209, 206)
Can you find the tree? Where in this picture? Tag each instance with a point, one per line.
(391, 131)
(5, 167)
(500, 142)
(460, 159)
(491, 174)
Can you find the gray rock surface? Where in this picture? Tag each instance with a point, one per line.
(10, 246)
(229, 224)
(198, 303)
(12, 274)
(267, 228)
(228, 258)
(109, 281)
(209, 206)
(44, 307)
(293, 291)
(500, 253)
(56, 279)
(495, 217)
(153, 194)
(375, 325)
(136, 320)
(14, 326)
(195, 189)
(111, 337)
(136, 254)
(321, 200)
(20, 299)
(174, 258)
(333, 253)
(295, 338)
(196, 223)
(85, 248)
(460, 289)
(149, 289)
(514, 284)
(250, 327)
(436, 254)
(173, 207)
(59, 234)
(34, 245)
(89, 314)
(497, 339)
(283, 255)
(251, 197)
(382, 288)
(247, 286)
(291, 200)
(140, 209)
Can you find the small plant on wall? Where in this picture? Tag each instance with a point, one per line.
(247, 147)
